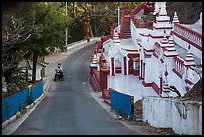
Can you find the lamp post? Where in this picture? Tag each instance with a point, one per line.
(118, 9)
(66, 28)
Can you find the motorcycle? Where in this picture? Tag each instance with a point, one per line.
(58, 76)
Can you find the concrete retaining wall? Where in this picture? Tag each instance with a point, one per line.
(184, 117)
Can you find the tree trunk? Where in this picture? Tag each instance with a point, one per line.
(35, 59)
(43, 69)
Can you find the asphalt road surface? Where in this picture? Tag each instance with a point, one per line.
(69, 109)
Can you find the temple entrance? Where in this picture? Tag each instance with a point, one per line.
(136, 66)
(118, 62)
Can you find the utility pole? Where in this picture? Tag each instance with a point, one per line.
(66, 28)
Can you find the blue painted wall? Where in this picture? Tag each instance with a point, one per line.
(122, 103)
(13, 103)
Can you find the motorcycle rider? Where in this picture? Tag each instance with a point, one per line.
(59, 69)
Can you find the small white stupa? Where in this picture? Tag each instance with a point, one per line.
(189, 60)
(175, 18)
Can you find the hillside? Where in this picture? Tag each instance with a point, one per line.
(195, 93)
(188, 12)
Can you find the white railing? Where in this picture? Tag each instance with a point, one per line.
(188, 35)
(178, 66)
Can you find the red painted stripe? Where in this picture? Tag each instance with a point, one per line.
(155, 55)
(147, 56)
(131, 50)
(146, 84)
(188, 81)
(165, 42)
(145, 35)
(156, 87)
(170, 49)
(177, 73)
(140, 78)
(189, 60)
(162, 14)
(149, 50)
(14, 92)
(170, 55)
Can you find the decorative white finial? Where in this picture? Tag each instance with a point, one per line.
(171, 41)
(175, 18)
(201, 18)
(189, 60)
(156, 9)
(164, 40)
(162, 8)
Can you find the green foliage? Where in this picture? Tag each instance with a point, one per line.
(50, 22)
(102, 16)
(35, 28)
(17, 80)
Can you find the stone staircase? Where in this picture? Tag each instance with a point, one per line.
(125, 27)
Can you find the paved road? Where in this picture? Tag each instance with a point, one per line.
(68, 108)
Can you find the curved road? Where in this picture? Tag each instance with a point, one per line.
(68, 108)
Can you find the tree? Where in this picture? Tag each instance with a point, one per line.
(35, 30)
(15, 30)
(50, 20)
(102, 14)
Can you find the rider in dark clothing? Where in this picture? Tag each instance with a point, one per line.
(60, 70)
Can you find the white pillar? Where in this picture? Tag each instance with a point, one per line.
(127, 64)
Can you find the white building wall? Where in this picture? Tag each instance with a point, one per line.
(184, 117)
(133, 30)
(200, 121)
(185, 45)
(144, 40)
(38, 74)
(176, 81)
(122, 66)
(118, 28)
(157, 68)
(169, 61)
(193, 76)
(153, 40)
(149, 70)
(161, 31)
(106, 46)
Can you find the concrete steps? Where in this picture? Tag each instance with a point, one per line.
(125, 27)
